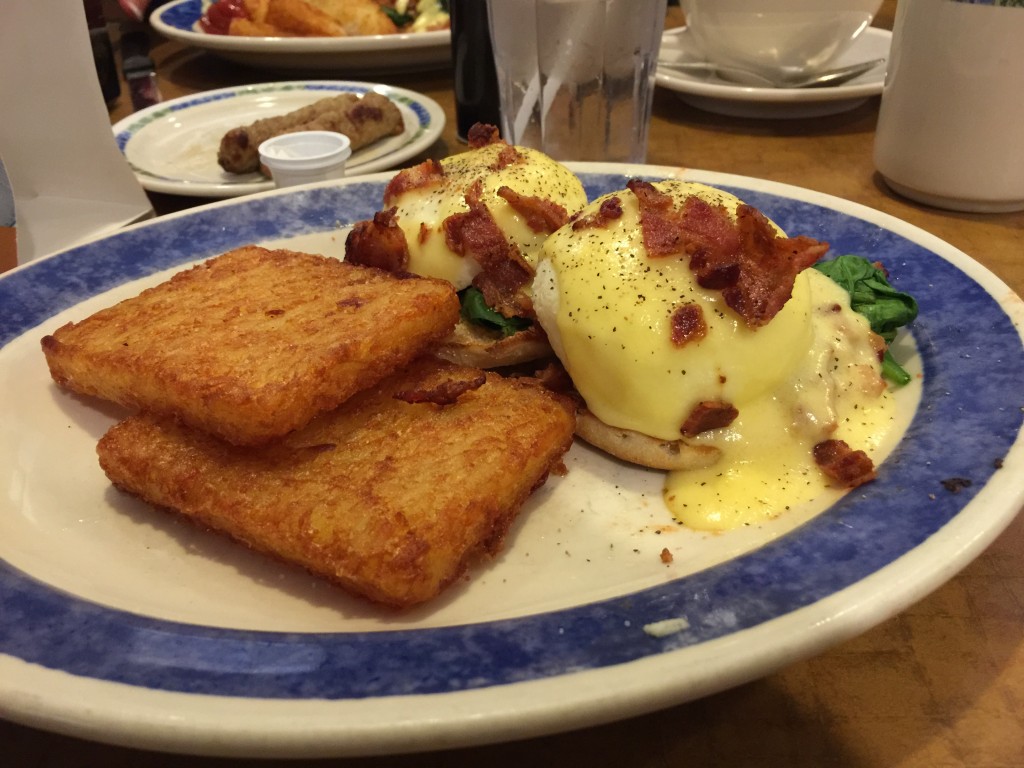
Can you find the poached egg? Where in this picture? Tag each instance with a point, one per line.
(810, 374)
(422, 210)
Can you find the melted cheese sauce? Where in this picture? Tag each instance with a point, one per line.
(811, 374)
(422, 211)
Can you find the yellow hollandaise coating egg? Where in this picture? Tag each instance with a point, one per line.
(811, 373)
(421, 211)
(607, 309)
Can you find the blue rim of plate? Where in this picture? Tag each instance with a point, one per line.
(184, 15)
(969, 419)
(128, 128)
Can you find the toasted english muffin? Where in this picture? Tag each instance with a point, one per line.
(638, 448)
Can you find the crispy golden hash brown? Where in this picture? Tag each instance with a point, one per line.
(254, 343)
(392, 495)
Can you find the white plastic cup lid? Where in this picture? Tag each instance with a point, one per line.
(304, 156)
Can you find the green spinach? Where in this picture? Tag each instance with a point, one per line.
(886, 309)
(476, 310)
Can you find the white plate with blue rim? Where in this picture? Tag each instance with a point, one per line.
(120, 623)
(172, 146)
(711, 93)
(355, 55)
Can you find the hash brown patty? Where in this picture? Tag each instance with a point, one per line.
(393, 495)
(252, 344)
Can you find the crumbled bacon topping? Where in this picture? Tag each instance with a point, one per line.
(507, 155)
(609, 210)
(554, 377)
(745, 259)
(659, 221)
(688, 324)
(482, 134)
(841, 463)
(541, 215)
(504, 271)
(444, 392)
(379, 243)
(709, 414)
(426, 174)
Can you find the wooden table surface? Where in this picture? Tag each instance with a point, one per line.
(941, 684)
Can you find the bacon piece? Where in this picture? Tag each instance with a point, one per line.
(709, 414)
(379, 243)
(508, 155)
(659, 220)
(688, 324)
(768, 269)
(541, 215)
(841, 463)
(504, 271)
(609, 210)
(445, 392)
(745, 259)
(708, 227)
(482, 134)
(426, 174)
(554, 377)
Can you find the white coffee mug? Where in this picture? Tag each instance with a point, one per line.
(951, 122)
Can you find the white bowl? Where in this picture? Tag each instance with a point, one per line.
(776, 38)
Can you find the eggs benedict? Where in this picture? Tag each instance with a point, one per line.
(699, 341)
(477, 219)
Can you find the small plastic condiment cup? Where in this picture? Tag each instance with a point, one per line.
(305, 156)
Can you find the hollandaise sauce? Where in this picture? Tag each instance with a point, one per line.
(422, 210)
(767, 469)
(811, 374)
(767, 465)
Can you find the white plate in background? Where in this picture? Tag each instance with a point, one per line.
(348, 56)
(172, 146)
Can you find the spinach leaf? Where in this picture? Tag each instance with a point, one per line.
(475, 310)
(399, 19)
(886, 308)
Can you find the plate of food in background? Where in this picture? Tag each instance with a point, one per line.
(121, 623)
(350, 36)
(177, 147)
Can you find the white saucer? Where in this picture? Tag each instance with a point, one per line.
(713, 94)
